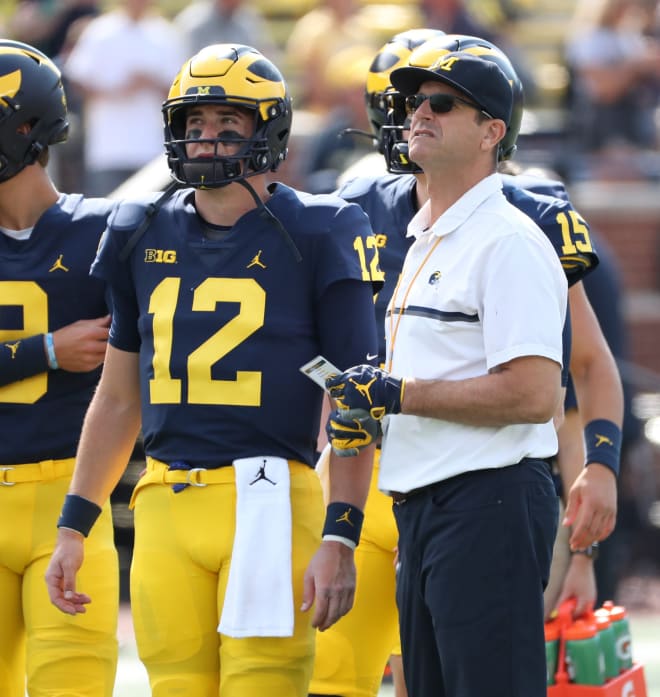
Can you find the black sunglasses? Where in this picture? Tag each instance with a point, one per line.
(440, 103)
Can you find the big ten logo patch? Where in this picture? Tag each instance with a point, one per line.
(160, 256)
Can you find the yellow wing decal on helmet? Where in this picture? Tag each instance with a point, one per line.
(9, 85)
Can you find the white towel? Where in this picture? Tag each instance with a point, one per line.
(259, 596)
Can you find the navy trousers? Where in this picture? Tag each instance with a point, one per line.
(475, 554)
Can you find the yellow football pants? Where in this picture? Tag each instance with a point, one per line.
(351, 655)
(60, 654)
(180, 569)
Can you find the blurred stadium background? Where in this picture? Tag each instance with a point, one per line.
(623, 209)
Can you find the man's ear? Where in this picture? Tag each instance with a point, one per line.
(493, 134)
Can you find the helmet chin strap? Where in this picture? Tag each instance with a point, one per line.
(267, 214)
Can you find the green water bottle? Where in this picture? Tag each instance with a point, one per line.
(551, 629)
(584, 658)
(607, 642)
(623, 639)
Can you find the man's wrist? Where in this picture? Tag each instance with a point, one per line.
(343, 540)
(590, 552)
(49, 347)
(343, 523)
(603, 442)
(78, 514)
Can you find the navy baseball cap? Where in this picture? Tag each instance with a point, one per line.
(481, 80)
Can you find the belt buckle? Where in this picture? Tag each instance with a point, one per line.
(3, 476)
(195, 482)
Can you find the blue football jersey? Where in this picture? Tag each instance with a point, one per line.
(546, 203)
(223, 326)
(389, 201)
(45, 285)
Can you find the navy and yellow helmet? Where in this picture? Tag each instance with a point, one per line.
(428, 53)
(31, 92)
(236, 75)
(381, 98)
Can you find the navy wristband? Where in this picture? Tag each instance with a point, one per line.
(603, 442)
(343, 523)
(78, 514)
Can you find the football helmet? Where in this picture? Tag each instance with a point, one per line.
(428, 53)
(31, 92)
(385, 106)
(237, 75)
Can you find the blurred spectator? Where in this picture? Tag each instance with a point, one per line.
(206, 22)
(317, 35)
(67, 162)
(123, 64)
(45, 24)
(615, 86)
(53, 27)
(456, 17)
(332, 150)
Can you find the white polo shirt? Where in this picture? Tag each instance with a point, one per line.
(480, 286)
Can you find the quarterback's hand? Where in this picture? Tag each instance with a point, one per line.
(591, 507)
(61, 573)
(369, 388)
(329, 584)
(351, 430)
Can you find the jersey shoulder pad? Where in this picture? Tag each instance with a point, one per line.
(80, 207)
(130, 213)
(358, 187)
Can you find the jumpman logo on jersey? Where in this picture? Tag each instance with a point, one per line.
(261, 474)
(13, 348)
(603, 440)
(58, 265)
(256, 261)
(364, 389)
(345, 517)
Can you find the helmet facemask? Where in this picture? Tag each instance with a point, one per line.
(394, 137)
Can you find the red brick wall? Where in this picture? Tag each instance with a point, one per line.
(627, 216)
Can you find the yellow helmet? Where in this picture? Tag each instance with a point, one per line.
(240, 76)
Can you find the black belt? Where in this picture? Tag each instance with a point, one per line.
(401, 497)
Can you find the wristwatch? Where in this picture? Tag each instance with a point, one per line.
(591, 551)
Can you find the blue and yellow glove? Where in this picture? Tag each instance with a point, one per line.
(369, 388)
(351, 430)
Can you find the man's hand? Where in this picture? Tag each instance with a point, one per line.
(591, 508)
(329, 584)
(349, 431)
(580, 584)
(80, 346)
(369, 388)
(61, 573)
